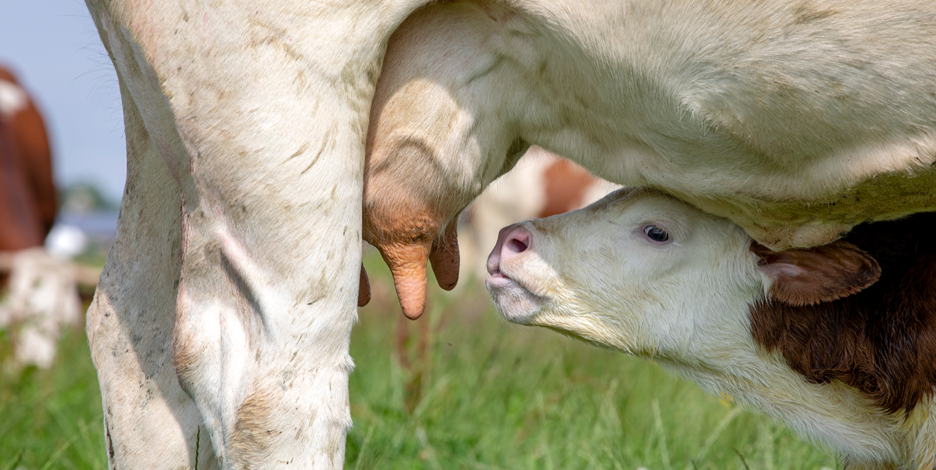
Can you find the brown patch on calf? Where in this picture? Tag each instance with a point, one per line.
(881, 340)
(566, 184)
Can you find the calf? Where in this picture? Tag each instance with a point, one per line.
(838, 342)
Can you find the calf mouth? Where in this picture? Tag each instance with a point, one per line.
(515, 301)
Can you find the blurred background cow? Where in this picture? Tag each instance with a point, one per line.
(41, 286)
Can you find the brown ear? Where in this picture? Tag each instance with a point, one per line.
(822, 274)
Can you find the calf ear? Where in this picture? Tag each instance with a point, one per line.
(822, 274)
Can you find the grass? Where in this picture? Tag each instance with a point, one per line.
(52, 419)
(459, 389)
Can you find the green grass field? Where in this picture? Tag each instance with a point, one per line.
(459, 389)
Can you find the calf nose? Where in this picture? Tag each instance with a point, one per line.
(516, 241)
(511, 241)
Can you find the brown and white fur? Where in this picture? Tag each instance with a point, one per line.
(28, 202)
(838, 342)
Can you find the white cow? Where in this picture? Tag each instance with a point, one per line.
(796, 120)
(221, 324)
(837, 341)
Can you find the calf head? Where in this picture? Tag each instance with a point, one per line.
(636, 271)
(642, 271)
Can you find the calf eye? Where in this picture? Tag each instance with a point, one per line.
(656, 233)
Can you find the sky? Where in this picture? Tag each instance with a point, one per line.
(55, 51)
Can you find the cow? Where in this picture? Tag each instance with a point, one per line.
(796, 120)
(261, 149)
(837, 341)
(28, 202)
(42, 294)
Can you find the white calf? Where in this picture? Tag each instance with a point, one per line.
(837, 341)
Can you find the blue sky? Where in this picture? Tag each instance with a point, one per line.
(54, 48)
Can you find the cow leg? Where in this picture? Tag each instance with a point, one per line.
(260, 117)
(264, 295)
(270, 269)
(150, 422)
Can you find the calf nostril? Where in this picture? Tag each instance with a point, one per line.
(517, 241)
(516, 246)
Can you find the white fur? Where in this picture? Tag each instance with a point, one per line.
(221, 325)
(685, 304)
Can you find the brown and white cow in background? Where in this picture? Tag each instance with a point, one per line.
(28, 201)
(540, 185)
(42, 294)
(838, 342)
(221, 325)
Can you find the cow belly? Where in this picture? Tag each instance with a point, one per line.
(797, 223)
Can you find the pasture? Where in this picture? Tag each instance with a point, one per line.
(460, 389)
